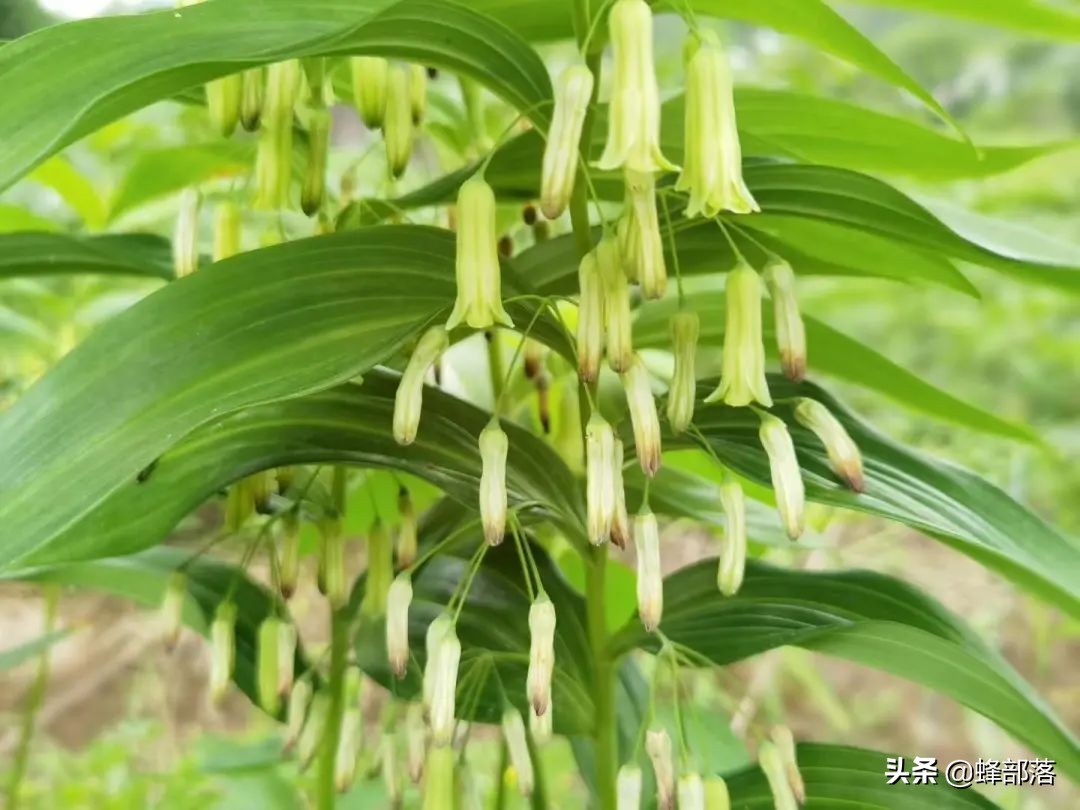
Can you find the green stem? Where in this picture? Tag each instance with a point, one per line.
(607, 754)
(339, 650)
(495, 368)
(500, 778)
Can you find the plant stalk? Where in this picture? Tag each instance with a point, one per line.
(604, 739)
(339, 650)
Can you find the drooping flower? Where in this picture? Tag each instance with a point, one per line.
(410, 392)
(185, 245)
(685, 326)
(784, 741)
(742, 378)
(390, 766)
(273, 161)
(397, 623)
(691, 792)
(380, 570)
(398, 126)
(658, 747)
(712, 164)
(226, 230)
(369, 77)
(790, 332)
(332, 576)
(251, 103)
(444, 686)
(268, 662)
(415, 741)
(628, 788)
(494, 446)
(784, 470)
(436, 630)
(351, 733)
(650, 581)
(296, 712)
(312, 735)
(573, 91)
(440, 790)
(716, 794)
(286, 657)
(617, 318)
(844, 455)
(418, 82)
(540, 725)
(407, 532)
(729, 575)
(600, 461)
(772, 765)
(518, 749)
(590, 326)
(620, 521)
(479, 283)
(541, 653)
(313, 189)
(172, 608)
(643, 416)
(222, 649)
(633, 139)
(643, 246)
(223, 99)
(289, 565)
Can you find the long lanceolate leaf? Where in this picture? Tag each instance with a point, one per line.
(939, 499)
(862, 616)
(35, 253)
(66, 81)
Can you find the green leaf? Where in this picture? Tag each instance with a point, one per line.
(12, 657)
(39, 254)
(74, 189)
(833, 353)
(1029, 16)
(68, 80)
(143, 578)
(14, 219)
(840, 776)
(943, 501)
(861, 616)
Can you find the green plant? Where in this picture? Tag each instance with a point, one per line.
(271, 373)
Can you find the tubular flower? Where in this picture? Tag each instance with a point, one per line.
(590, 326)
(729, 574)
(268, 663)
(398, 125)
(391, 768)
(742, 379)
(716, 794)
(380, 571)
(444, 686)
(600, 496)
(397, 623)
(541, 653)
(540, 725)
(435, 632)
(844, 455)
(643, 247)
(646, 422)
(332, 563)
(312, 735)
(658, 747)
(785, 745)
(790, 332)
(351, 733)
(286, 657)
(493, 449)
(296, 712)
(222, 649)
(784, 470)
(314, 187)
(223, 100)
(617, 323)
(251, 101)
(620, 522)
(407, 532)
(712, 166)
(273, 162)
(628, 788)
(573, 91)
(226, 230)
(479, 283)
(369, 79)
(691, 792)
(685, 326)
(289, 567)
(650, 582)
(172, 608)
(518, 749)
(418, 81)
(633, 139)
(410, 392)
(772, 764)
(440, 789)
(415, 741)
(185, 246)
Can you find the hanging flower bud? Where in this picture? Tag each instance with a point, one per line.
(251, 102)
(684, 337)
(844, 455)
(410, 391)
(444, 687)
(590, 326)
(518, 749)
(172, 608)
(534, 353)
(772, 764)
(397, 624)
(729, 575)
(543, 401)
(785, 745)
(633, 139)
(617, 319)
(658, 747)
(742, 379)
(620, 521)
(289, 566)
(642, 244)
(223, 98)
(332, 563)
(691, 792)
(296, 713)
(436, 630)
(273, 162)
(650, 580)
(313, 190)
(712, 165)
(185, 246)
(790, 332)
(398, 126)
(573, 91)
(226, 230)
(407, 531)
(415, 741)
(222, 649)
(646, 422)
(286, 657)
(716, 794)
(440, 788)
(369, 78)
(784, 469)
(351, 733)
(479, 283)
(493, 449)
(628, 788)
(380, 571)
(540, 725)
(541, 652)
(418, 81)
(312, 735)
(261, 487)
(600, 495)
(268, 663)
